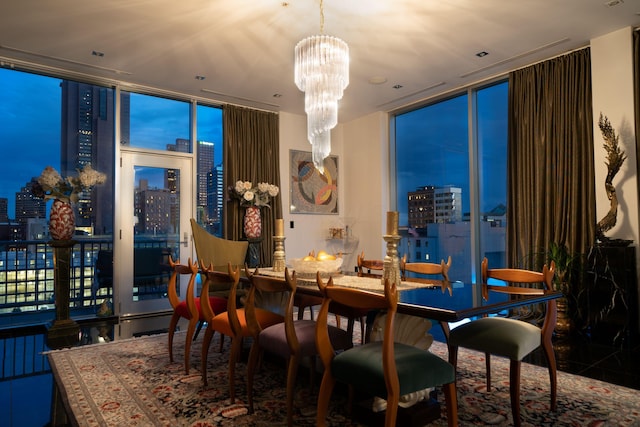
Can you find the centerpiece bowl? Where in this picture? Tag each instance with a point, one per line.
(308, 269)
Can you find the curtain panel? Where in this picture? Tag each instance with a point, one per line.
(251, 153)
(550, 166)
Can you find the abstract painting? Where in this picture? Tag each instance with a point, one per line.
(312, 192)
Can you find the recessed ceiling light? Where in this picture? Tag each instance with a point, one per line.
(200, 77)
(397, 86)
(377, 80)
(97, 53)
(481, 54)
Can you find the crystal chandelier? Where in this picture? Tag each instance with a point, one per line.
(322, 73)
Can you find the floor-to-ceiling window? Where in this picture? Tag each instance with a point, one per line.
(46, 120)
(451, 179)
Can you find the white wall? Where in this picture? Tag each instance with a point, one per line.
(310, 231)
(363, 187)
(612, 76)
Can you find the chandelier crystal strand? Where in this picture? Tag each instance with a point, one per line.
(322, 73)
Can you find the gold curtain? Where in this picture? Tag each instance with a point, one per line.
(251, 154)
(551, 194)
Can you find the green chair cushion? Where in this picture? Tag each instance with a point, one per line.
(418, 369)
(501, 336)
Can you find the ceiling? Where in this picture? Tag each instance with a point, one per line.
(244, 48)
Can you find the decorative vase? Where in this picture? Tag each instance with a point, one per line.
(62, 220)
(252, 222)
(563, 321)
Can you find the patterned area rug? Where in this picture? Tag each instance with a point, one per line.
(132, 383)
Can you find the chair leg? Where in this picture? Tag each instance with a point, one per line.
(200, 323)
(292, 372)
(312, 372)
(221, 342)
(451, 400)
(187, 345)
(172, 328)
(487, 358)
(208, 334)
(251, 370)
(391, 414)
(514, 391)
(553, 376)
(453, 356)
(326, 387)
(236, 347)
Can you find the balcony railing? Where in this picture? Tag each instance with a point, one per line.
(27, 276)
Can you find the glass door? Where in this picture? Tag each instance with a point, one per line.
(154, 202)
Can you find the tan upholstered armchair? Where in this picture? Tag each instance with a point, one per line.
(218, 253)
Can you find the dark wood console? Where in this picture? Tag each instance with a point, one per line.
(612, 294)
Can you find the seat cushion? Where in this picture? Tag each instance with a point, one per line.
(501, 336)
(417, 369)
(265, 318)
(273, 339)
(218, 305)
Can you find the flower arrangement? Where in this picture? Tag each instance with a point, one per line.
(51, 185)
(254, 196)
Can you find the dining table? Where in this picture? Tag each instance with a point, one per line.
(435, 299)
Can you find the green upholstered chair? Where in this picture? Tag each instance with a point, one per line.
(384, 368)
(508, 337)
(291, 339)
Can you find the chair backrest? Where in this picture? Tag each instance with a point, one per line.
(217, 252)
(365, 266)
(230, 279)
(424, 268)
(177, 270)
(275, 289)
(360, 299)
(514, 279)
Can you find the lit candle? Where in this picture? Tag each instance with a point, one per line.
(279, 227)
(392, 222)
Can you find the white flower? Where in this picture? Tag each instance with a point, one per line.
(248, 195)
(273, 190)
(54, 186)
(50, 178)
(254, 196)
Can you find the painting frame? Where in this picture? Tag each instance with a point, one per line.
(311, 192)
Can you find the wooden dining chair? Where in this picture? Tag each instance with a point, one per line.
(291, 339)
(231, 322)
(190, 308)
(508, 337)
(369, 267)
(418, 269)
(384, 368)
